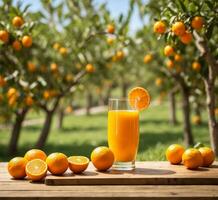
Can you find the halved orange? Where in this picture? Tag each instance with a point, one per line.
(36, 169)
(139, 98)
(78, 164)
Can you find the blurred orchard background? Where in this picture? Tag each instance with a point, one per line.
(60, 61)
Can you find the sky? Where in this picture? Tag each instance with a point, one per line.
(116, 7)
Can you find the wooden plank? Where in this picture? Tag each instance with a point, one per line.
(146, 173)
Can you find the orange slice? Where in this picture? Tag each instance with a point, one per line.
(139, 98)
(78, 164)
(36, 169)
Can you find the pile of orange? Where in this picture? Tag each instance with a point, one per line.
(191, 158)
(36, 163)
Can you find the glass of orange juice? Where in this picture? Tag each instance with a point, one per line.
(123, 132)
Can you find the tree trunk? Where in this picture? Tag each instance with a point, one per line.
(107, 96)
(188, 138)
(88, 102)
(16, 129)
(212, 123)
(172, 106)
(45, 130)
(124, 89)
(60, 118)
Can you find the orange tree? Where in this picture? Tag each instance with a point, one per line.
(196, 21)
(16, 48)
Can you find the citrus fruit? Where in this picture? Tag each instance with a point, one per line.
(16, 167)
(34, 154)
(12, 92)
(119, 55)
(78, 164)
(28, 101)
(170, 64)
(192, 158)
(36, 169)
(196, 66)
(17, 21)
(17, 45)
(196, 119)
(4, 36)
(2, 81)
(197, 22)
(186, 38)
(110, 40)
(148, 58)
(177, 57)
(56, 46)
(139, 98)
(168, 50)
(102, 158)
(110, 28)
(208, 156)
(159, 27)
(63, 51)
(90, 68)
(158, 81)
(27, 41)
(174, 153)
(178, 28)
(57, 163)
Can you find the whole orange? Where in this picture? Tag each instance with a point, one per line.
(174, 153)
(196, 66)
(197, 22)
(90, 68)
(192, 158)
(57, 163)
(17, 45)
(110, 28)
(170, 64)
(177, 57)
(159, 27)
(168, 50)
(4, 36)
(186, 38)
(27, 41)
(34, 154)
(208, 156)
(16, 167)
(17, 21)
(178, 28)
(102, 158)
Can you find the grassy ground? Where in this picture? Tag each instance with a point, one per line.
(81, 134)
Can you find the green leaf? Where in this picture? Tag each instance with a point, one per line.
(182, 6)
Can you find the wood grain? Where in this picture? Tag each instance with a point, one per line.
(23, 189)
(146, 173)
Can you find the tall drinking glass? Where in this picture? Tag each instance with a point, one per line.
(123, 133)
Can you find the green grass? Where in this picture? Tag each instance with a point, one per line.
(81, 134)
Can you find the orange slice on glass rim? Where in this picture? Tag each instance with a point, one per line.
(139, 98)
(78, 164)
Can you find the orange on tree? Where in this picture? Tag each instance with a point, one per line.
(192, 158)
(2, 81)
(4, 36)
(29, 101)
(110, 28)
(17, 21)
(69, 109)
(168, 50)
(119, 55)
(159, 27)
(63, 51)
(102, 158)
(110, 40)
(174, 154)
(57, 163)
(178, 57)
(208, 156)
(46, 94)
(35, 154)
(56, 46)
(196, 119)
(69, 77)
(27, 41)
(170, 64)
(148, 58)
(158, 81)
(197, 22)
(178, 28)
(90, 68)
(54, 67)
(78, 164)
(196, 66)
(216, 111)
(139, 98)
(16, 167)
(17, 46)
(36, 169)
(186, 38)
(11, 93)
(31, 67)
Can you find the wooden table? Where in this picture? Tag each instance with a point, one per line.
(23, 189)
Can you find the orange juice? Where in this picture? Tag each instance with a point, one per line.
(123, 134)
